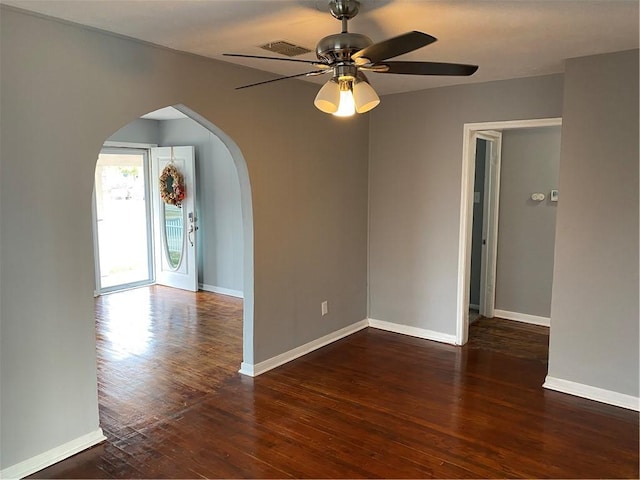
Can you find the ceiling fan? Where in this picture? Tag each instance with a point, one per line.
(348, 55)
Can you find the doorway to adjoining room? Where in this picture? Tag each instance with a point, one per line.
(510, 195)
(170, 203)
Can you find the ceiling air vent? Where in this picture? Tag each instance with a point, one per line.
(285, 48)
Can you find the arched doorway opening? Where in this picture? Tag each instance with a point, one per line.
(216, 156)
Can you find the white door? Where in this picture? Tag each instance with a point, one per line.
(490, 222)
(174, 226)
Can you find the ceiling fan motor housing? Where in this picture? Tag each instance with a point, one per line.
(340, 47)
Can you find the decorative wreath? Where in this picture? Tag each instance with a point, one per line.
(172, 189)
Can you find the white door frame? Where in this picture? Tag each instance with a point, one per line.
(470, 132)
(124, 148)
(491, 202)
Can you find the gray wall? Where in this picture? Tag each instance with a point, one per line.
(478, 219)
(140, 130)
(415, 181)
(594, 309)
(64, 91)
(526, 236)
(218, 203)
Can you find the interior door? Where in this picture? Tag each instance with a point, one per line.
(174, 225)
(490, 222)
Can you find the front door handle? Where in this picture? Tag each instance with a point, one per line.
(192, 227)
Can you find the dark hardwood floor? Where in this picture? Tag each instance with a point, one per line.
(375, 404)
(515, 339)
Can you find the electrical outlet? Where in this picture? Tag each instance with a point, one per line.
(325, 307)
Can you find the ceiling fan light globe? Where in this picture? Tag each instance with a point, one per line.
(328, 98)
(364, 97)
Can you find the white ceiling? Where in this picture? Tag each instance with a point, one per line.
(166, 113)
(506, 38)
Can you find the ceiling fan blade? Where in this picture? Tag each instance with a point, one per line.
(313, 72)
(312, 62)
(393, 47)
(427, 68)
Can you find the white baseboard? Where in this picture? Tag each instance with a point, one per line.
(48, 458)
(592, 393)
(221, 290)
(247, 369)
(252, 370)
(266, 365)
(412, 331)
(522, 317)
(473, 306)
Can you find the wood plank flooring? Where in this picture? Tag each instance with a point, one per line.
(373, 405)
(516, 339)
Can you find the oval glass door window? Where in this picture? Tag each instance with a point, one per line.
(173, 234)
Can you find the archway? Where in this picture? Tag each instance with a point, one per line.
(247, 222)
(247, 227)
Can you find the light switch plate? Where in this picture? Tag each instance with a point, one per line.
(553, 196)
